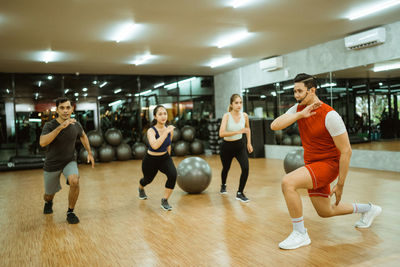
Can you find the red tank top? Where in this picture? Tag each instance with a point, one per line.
(317, 142)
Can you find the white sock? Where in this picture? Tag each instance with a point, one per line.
(361, 208)
(298, 224)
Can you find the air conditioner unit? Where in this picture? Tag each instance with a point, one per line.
(365, 39)
(271, 64)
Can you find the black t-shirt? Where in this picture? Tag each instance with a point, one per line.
(61, 150)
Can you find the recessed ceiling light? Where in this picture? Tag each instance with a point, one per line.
(116, 91)
(84, 89)
(103, 84)
(220, 62)
(373, 9)
(232, 39)
(50, 77)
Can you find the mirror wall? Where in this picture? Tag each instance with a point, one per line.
(368, 101)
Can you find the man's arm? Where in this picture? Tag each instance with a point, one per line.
(343, 144)
(288, 119)
(86, 144)
(48, 138)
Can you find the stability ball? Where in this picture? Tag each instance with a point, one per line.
(83, 154)
(188, 133)
(287, 140)
(113, 136)
(181, 148)
(106, 153)
(95, 138)
(194, 175)
(124, 151)
(296, 140)
(196, 147)
(278, 136)
(177, 135)
(293, 160)
(139, 150)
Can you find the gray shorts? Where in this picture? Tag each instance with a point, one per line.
(52, 179)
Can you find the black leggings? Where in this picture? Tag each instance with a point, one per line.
(237, 149)
(152, 164)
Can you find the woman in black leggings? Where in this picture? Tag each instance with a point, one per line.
(158, 157)
(234, 124)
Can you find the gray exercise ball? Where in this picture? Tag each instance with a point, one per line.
(95, 138)
(196, 147)
(177, 135)
(113, 136)
(293, 160)
(286, 140)
(83, 154)
(194, 175)
(188, 133)
(124, 151)
(181, 148)
(296, 140)
(106, 153)
(139, 150)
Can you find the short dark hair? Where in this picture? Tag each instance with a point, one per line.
(61, 100)
(308, 80)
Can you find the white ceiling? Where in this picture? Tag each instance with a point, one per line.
(182, 34)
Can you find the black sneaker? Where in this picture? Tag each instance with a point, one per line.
(223, 189)
(240, 196)
(165, 205)
(72, 218)
(48, 207)
(142, 194)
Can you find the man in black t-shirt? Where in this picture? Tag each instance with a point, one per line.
(59, 137)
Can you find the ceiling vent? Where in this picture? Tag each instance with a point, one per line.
(365, 39)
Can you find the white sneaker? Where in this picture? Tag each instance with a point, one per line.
(295, 240)
(367, 217)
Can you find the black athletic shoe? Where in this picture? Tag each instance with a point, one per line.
(142, 194)
(165, 205)
(240, 196)
(223, 189)
(72, 218)
(48, 208)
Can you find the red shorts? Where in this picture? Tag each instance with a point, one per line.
(322, 173)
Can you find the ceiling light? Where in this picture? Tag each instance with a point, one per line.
(232, 39)
(288, 87)
(221, 62)
(66, 91)
(171, 86)
(239, 3)
(115, 103)
(94, 82)
(328, 85)
(273, 93)
(373, 9)
(124, 32)
(186, 80)
(84, 89)
(145, 92)
(8, 91)
(99, 97)
(384, 67)
(48, 56)
(50, 77)
(158, 85)
(76, 94)
(116, 91)
(39, 83)
(85, 94)
(380, 84)
(263, 96)
(103, 84)
(142, 59)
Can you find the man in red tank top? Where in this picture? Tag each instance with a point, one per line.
(327, 155)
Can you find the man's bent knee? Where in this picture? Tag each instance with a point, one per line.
(73, 180)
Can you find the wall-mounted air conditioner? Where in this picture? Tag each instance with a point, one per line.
(365, 39)
(271, 64)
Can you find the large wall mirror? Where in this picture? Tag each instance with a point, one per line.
(367, 100)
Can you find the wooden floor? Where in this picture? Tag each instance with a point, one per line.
(391, 145)
(118, 229)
